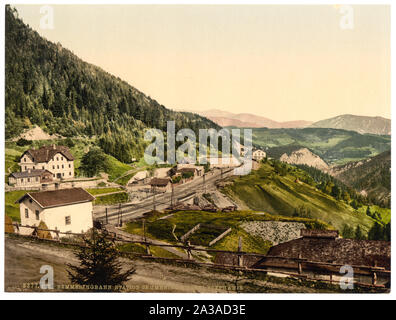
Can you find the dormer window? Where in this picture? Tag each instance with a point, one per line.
(24, 159)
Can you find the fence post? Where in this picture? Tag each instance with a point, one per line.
(36, 232)
(240, 257)
(299, 264)
(120, 215)
(107, 218)
(148, 249)
(17, 228)
(374, 277)
(189, 255)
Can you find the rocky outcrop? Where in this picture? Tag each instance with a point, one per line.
(305, 156)
(274, 231)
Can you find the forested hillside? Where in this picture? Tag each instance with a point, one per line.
(372, 176)
(334, 146)
(49, 86)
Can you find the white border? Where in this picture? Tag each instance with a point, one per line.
(176, 296)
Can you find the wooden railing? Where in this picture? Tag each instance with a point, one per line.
(301, 264)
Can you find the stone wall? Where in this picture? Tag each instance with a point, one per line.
(274, 231)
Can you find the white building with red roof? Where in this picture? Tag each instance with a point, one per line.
(66, 210)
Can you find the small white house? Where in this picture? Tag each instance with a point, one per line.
(258, 154)
(66, 210)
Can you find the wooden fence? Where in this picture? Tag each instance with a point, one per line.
(301, 264)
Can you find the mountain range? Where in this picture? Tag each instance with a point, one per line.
(360, 124)
(248, 120)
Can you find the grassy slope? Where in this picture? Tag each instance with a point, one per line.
(385, 213)
(112, 199)
(186, 220)
(12, 209)
(266, 190)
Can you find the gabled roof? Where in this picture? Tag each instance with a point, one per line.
(29, 173)
(56, 198)
(159, 182)
(46, 153)
(340, 251)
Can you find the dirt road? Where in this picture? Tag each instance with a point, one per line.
(23, 260)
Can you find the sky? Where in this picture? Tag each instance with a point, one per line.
(282, 62)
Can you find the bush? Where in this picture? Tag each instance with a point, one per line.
(94, 162)
(23, 142)
(69, 143)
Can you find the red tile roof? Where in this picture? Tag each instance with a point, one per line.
(56, 198)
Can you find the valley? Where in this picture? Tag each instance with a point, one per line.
(323, 182)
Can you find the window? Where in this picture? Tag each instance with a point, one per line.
(63, 174)
(37, 215)
(54, 175)
(61, 158)
(63, 166)
(22, 180)
(42, 167)
(33, 167)
(36, 178)
(53, 167)
(57, 166)
(28, 179)
(69, 173)
(24, 159)
(69, 165)
(57, 158)
(25, 168)
(68, 220)
(27, 213)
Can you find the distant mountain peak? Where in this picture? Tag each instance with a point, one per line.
(248, 120)
(360, 124)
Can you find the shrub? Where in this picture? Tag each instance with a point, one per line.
(23, 142)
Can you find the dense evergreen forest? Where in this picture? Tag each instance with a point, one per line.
(47, 85)
(372, 175)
